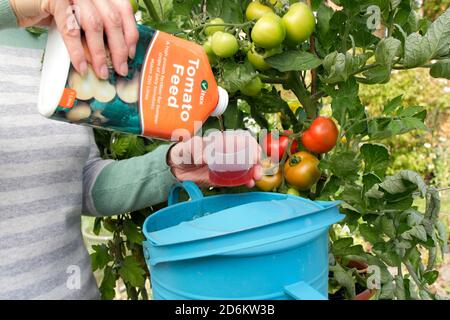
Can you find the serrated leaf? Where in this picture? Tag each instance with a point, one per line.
(396, 184)
(132, 232)
(108, 284)
(237, 75)
(294, 61)
(419, 50)
(441, 69)
(376, 158)
(344, 278)
(132, 272)
(331, 188)
(339, 67)
(100, 257)
(349, 171)
(418, 232)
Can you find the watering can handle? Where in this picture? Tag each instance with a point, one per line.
(303, 291)
(190, 187)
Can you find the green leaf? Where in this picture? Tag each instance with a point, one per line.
(369, 233)
(393, 105)
(387, 227)
(232, 117)
(387, 51)
(100, 257)
(108, 284)
(231, 11)
(294, 61)
(132, 272)
(414, 217)
(376, 158)
(344, 278)
(441, 69)
(418, 232)
(431, 276)
(435, 43)
(387, 291)
(97, 226)
(268, 101)
(335, 162)
(397, 183)
(132, 232)
(331, 188)
(352, 195)
(339, 67)
(342, 243)
(236, 76)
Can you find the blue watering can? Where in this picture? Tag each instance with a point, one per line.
(252, 246)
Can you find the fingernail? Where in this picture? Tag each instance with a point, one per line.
(104, 72)
(124, 69)
(132, 52)
(83, 68)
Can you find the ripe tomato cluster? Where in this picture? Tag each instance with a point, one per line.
(301, 169)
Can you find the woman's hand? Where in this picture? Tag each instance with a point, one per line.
(95, 17)
(187, 161)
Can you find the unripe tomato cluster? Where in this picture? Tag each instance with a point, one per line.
(268, 34)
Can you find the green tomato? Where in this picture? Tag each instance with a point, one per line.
(209, 31)
(134, 5)
(224, 45)
(209, 52)
(256, 10)
(268, 31)
(257, 60)
(293, 192)
(253, 88)
(299, 22)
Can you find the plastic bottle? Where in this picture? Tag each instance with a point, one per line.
(169, 92)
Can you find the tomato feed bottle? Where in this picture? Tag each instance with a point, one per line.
(169, 92)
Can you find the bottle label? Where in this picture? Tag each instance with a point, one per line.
(170, 89)
(175, 89)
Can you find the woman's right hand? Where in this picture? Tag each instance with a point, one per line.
(95, 17)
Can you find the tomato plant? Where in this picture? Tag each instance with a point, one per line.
(311, 67)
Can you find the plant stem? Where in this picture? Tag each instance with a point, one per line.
(303, 95)
(236, 25)
(151, 10)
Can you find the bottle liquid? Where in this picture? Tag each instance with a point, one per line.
(168, 93)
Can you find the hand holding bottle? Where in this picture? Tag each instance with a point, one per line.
(95, 18)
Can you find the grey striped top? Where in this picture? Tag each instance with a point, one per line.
(42, 163)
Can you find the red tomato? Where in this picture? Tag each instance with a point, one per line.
(322, 136)
(276, 147)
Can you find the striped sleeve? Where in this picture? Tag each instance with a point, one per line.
(7, 17)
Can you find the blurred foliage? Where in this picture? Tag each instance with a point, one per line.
(433, 8)
(426, 153)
